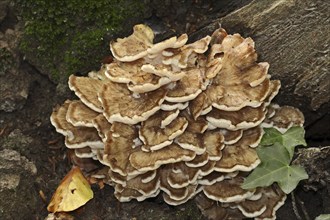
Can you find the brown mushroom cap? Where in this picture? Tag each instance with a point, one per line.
(209, 208)
(243, 49)
(231, 137)
(79, 114)
(181, 175)
(155, 136)
(237, 158)
(199, 46)
(85, 152)
(145, 161)
(174, 193)
(176, 196)
(275, 86)
(198, 125)
(244, 81)
(214, 176)
(117, 178)
(213, 142)
(149, 176)
(135, 46)
(206, 169)
(119, 147)
(214, 61)
(251, 137)
(170, 106)
(102, 126)
(123, 72)
(217, 36)
(227, 190)
(275, 198)
(168, 117)
(157, 68)
(172, 42)
(100, 74)
(188, 88)
(265, 206)
(284, 118)
(244, 118)
(86, 164)
(122, 106)
(145, 188)
(138, 80)
(199, 160)
(76, 137)
(127, 194)
(98, 154)
(140, 44)
(195, 138)
(191, 191)
(87, 90)
(199, 104)
(215, 210)
(101, 174)
(186, 56)
(191, 141)
(251, 209)
(58, 120)
(215, 56)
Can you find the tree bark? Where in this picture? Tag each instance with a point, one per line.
(294, 37)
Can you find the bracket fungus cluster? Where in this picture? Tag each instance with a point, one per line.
(177, 119)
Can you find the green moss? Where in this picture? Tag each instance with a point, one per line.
(71, 36)
(6, 61)
(191, 212)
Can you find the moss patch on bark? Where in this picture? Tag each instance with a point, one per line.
(65, 37)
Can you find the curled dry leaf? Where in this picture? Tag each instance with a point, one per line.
(73, 192)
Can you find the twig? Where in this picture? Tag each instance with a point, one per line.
(51, 142)
(303, 208)
(42, 196)
(55, 147)
(2, 130)
(294, 206)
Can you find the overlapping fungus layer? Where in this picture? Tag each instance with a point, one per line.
(177, 119)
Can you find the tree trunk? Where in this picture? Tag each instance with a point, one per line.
(293, 36)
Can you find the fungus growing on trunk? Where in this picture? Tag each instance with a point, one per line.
(179, 119)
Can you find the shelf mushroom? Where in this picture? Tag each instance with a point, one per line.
(179, 120)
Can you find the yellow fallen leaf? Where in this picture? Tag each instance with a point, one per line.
(73, 192)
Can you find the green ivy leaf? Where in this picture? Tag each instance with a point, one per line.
(293, 137)
(271, 136)
(275, 167)
(323, 217)
(290, 139)
(292, 176)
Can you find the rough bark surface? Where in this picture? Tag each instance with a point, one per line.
(293, 36)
